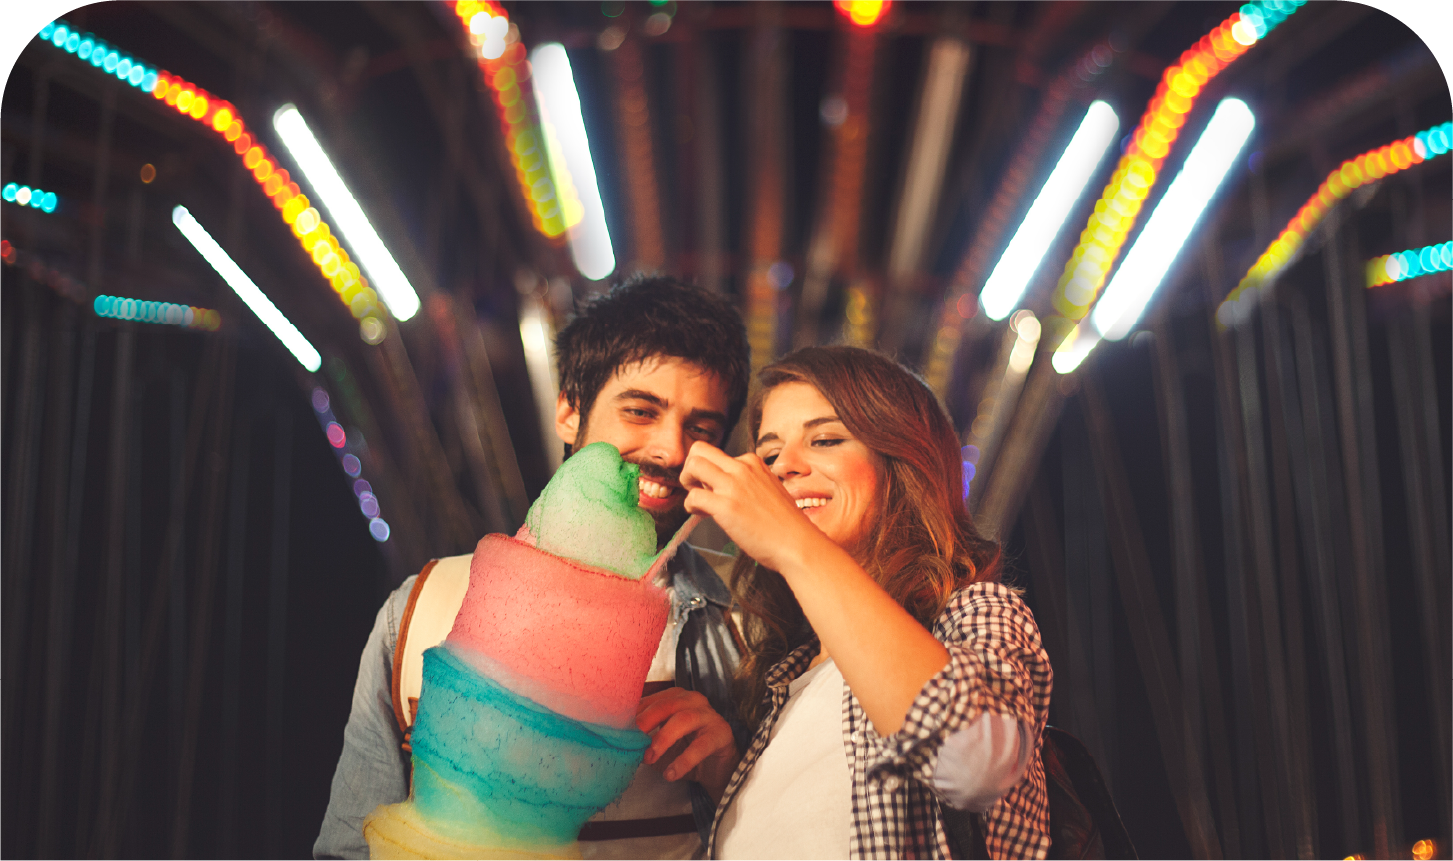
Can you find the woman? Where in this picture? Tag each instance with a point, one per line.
(888, 670)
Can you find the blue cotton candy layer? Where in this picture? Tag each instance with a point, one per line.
(497, 764)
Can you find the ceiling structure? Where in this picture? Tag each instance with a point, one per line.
(841, 182)
(733, 162)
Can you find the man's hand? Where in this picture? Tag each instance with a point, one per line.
(710, 756)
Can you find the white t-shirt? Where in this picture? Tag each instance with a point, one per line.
(650, 795)
(797, 801)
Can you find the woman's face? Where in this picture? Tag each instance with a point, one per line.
(832, 475)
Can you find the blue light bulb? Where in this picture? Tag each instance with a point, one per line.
(47, 30)
(138, 74)
(8, 194)
(148, 83)
(84, 49)
(48, 203)
(72, 43)
(58, 38)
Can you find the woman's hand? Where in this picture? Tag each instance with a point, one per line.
(750, 504)
(674, 715)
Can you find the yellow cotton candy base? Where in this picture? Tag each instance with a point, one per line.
(397, 831)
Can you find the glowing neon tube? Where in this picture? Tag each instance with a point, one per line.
(1047, 214)
(397, 293)
(569, 149)
(1164, 235)
(243, 286)
(1139, 167)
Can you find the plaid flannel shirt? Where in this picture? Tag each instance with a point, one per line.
(996, 664)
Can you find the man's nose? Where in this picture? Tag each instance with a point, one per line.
(668, 445)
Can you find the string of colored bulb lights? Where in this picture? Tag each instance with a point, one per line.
(864, 13)
(1353, 173)
(1392, 268)
(190, 100)
(506, 70)
(24, 195)
(1139, 168)
(166, 313)
(959, 303)
(349, 461)
(37, 269)
(114, 307)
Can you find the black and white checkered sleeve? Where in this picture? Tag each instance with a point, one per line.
(996, 664)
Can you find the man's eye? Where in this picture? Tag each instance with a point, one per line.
(769, 459)
(827, 443)
(638, 412)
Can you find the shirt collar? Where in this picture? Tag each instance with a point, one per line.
(692, 578)
(794, 665)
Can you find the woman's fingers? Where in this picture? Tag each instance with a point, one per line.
(703, 471)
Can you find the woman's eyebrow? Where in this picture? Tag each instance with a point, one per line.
(810, 423)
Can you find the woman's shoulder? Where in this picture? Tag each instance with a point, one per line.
(986, 604)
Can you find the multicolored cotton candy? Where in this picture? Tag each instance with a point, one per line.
(526, 714)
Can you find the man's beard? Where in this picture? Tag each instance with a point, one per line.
(667, 522)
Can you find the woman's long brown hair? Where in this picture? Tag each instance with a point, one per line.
(925, 546)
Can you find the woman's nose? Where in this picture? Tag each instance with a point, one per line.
(789, 462)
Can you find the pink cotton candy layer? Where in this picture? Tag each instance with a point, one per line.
(582, 637)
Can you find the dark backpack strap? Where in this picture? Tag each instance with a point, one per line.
(1083, 821)
(965, 832)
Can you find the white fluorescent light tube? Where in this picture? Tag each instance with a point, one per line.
(1010, 278)
(1158, 244)
(1075, 348)
(267, 312)
(348, 218)
(559, 105)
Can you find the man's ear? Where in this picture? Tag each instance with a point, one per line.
(567, 420)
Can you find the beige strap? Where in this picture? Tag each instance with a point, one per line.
(435, 600)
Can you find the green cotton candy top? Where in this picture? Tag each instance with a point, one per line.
(590, 512)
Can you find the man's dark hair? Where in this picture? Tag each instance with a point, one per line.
(646, 317)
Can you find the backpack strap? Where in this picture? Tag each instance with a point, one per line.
(434, 601)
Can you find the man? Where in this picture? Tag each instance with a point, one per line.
(651, 367)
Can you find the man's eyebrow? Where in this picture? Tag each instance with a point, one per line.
(642, 395)
(810, 423)
(707, 415)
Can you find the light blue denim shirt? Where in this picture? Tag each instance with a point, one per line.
(374, 768)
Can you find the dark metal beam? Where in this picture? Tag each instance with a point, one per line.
(1147, 628)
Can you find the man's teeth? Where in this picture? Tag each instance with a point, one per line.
(652, 489)
(813, 502)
